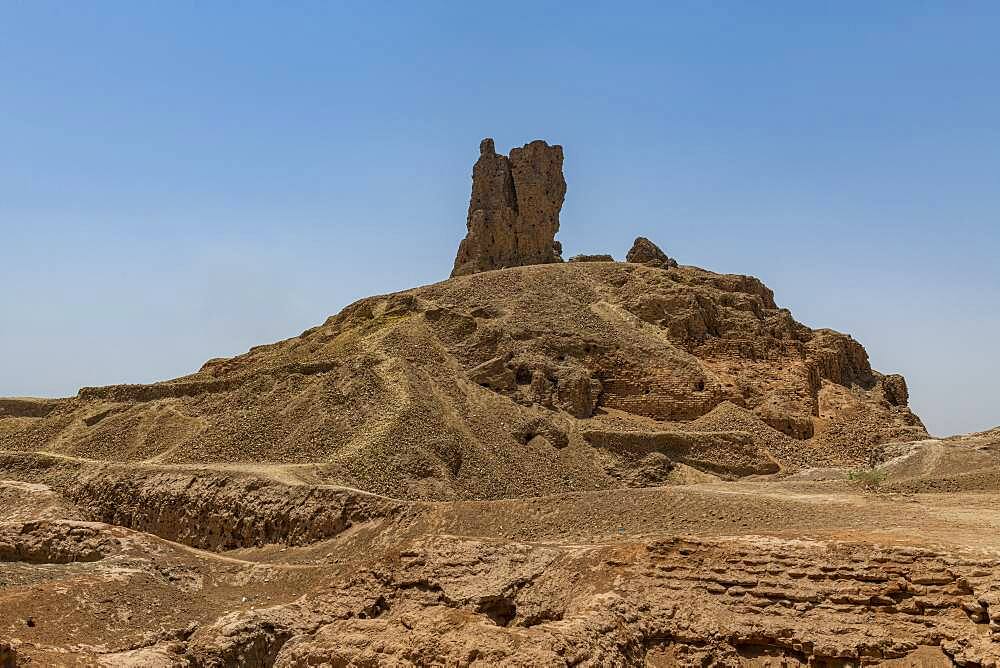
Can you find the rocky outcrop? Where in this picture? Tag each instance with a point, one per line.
(678, 601)
(644, 251)
(218, 512)
(54, 542)
(894, 388)
(723, 453)
(514, 209)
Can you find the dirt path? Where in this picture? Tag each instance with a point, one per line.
(286, 474)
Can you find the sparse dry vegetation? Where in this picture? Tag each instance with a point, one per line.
(869, 478)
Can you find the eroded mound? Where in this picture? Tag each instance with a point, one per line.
(486, 386)
(578, 464)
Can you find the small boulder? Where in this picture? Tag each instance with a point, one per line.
(644, 251)
(894, 389)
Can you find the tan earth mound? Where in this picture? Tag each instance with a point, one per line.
(484, 386)
(589, 463)
(494, 384)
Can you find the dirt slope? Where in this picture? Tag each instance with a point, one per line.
(581, 464)
(526, 381)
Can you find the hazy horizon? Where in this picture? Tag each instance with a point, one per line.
(183, 182)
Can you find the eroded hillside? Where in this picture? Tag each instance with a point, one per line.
(526, 381)
(533, 463)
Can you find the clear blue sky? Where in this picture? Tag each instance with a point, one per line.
(183, 180)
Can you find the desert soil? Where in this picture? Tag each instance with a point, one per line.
(107, 565)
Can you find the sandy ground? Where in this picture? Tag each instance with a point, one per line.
(75, 591)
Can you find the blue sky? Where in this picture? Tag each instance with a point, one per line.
(183, 180)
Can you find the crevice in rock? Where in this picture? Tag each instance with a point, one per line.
(501, 609)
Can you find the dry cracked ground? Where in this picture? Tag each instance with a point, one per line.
(580, 464)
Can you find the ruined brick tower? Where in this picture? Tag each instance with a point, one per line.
(514, 209)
